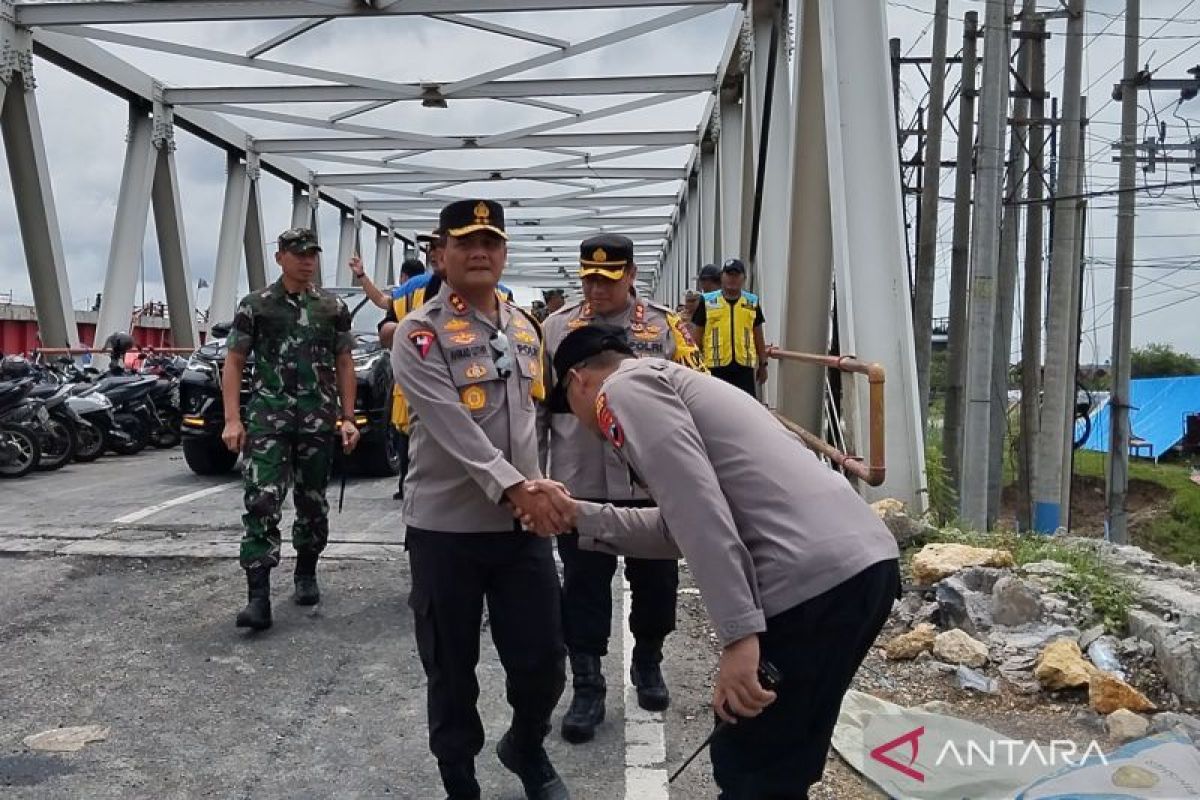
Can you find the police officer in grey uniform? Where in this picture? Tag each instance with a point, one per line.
(470, 365)
(793, 566)
(580, 461)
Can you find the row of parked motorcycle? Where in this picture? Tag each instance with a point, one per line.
(53, 411)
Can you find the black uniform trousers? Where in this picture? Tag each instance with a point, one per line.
(587, 597)
(741, 377)
(817, 647)
(452, 575)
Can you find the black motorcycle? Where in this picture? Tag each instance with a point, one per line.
(24, 422)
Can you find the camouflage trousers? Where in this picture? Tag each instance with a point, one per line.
(272, 463)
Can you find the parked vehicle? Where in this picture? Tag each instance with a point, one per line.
(204, 414)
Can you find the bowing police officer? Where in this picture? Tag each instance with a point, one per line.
(580, 461)
(470, 365)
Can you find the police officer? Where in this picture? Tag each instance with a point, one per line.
(793, 566)
(729, 326)
(470, 365)
(300, 338)
(579, 460)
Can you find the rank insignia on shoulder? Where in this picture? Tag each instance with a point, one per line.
(475, 370)
(473, 397)
(423, 340)
(455, 324)
(607, 420)
(463, 338)
(458, 304)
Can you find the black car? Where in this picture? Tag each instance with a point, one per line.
(204, 415)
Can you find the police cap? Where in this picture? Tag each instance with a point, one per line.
(606, 255)
(579, 345)
(464, 217)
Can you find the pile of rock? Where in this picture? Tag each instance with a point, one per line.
(974, 612)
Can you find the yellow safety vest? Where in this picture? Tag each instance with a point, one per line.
(729, 330)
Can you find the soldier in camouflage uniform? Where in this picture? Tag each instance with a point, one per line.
(301, 342)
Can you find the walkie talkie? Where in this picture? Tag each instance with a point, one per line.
(769, 677)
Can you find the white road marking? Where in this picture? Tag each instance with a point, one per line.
(140, 515)
(645, 735)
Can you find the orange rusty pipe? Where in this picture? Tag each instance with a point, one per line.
(874, 472)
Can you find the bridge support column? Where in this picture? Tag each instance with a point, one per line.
(20, 126)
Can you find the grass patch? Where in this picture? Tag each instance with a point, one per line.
(1091, 581)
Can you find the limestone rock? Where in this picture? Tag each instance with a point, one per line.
(960, 606)
(942, 559)
(1062, 666)
(1125, 726)
(1015, 602)
(957, 647)
(1108, 693)
(1173, 722)
(905, 528)
(1177, 652)
(910, 645)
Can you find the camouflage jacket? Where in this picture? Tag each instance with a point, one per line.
(295, 340)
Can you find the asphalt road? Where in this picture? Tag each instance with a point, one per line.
(116, 609)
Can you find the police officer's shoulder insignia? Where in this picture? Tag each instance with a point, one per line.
(473, 397)
(455, 324)
(423, 340)
(475, 370)
(457, 304)
(607, 420)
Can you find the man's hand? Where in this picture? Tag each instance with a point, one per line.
(542, 506)
(350, 436)
(738, 692)
(356, 267)
(234, 435)
(760, 374)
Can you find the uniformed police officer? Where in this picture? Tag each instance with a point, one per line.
(793, 566)
(300, 338)
(470, 365)
(580, 461)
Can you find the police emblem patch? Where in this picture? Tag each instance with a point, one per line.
(648, 332)
(473, 397)
(475, 370)
(607, 420)
(525, 336)
(423, 340)
(463, 338)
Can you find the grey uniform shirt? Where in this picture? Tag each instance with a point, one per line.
(472, 430)
(577, 458)
(764, 525)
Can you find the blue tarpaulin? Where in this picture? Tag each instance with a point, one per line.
(1159, 406)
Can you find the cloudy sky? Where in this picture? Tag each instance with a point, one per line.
(85, 131)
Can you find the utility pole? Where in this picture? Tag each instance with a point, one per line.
(1031, 333)
(928, 228)
(960, 257)
(1059, 377)
(993, 105)
(1006, 284)
(1117, 463)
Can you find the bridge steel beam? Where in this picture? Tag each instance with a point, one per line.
(21, 130)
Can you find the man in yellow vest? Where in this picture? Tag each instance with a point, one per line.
(729, 323)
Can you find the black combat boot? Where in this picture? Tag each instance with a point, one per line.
(525, 756)
(257, 613)
(458, 778)
(587, 705)
(647, 677)
(307, 592)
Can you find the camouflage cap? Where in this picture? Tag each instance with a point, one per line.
(299, 240)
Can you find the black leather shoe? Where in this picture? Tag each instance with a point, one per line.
(652, 693)
(533, 767)
(587, 705)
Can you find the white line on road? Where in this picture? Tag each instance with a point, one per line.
(137, 516)
(645, 736)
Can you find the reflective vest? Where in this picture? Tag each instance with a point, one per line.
(729, 330)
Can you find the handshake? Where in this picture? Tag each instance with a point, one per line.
(543, 506)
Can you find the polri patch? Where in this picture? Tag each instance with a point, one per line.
(610, 427)
(473, 397)
(423, 340)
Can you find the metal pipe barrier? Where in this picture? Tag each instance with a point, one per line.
(873, 470)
